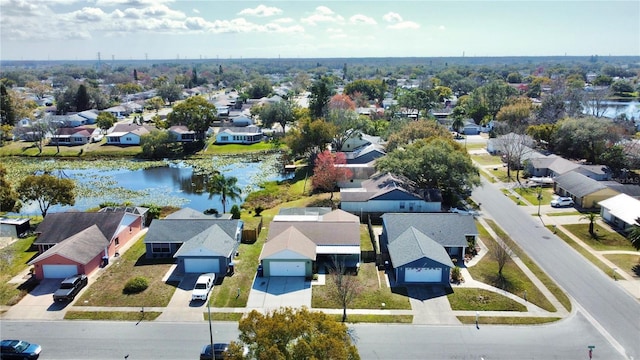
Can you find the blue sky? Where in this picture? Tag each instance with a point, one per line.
(170, 29)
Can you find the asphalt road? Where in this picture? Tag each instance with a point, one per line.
(609, 307)
(564, 340)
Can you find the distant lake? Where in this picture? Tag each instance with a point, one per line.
(176, 184)
(631, 109)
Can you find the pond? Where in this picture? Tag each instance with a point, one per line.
(178, 184)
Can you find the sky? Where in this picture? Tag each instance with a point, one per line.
(211, 29)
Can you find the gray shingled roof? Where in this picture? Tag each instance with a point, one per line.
(413, 245)
(577, 184)
(81, 247)
(189, 213)
(304, 211)
(213, 241)
(57, 227)
(183, 230)
(290, 239)
(321, 232)
(380, 185)
(448, 229)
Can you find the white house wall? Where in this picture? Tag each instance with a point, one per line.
(390, 206)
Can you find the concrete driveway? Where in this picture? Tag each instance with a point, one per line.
(180, 307)
(270, 293)
(38, 304)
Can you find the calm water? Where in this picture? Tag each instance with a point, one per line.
(174, 184)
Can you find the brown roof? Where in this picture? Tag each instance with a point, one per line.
(321, 232)
(340, 216)
(290, 239)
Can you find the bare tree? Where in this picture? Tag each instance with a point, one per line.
(501, 253)
(514, 147)
(594, 102)
(343, 287)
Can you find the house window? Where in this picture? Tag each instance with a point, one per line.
(224, 138)
(163, 248)
(402, 205)
(128, 138)
(117, 241)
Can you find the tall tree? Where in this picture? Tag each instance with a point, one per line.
(289, 333)
(281, 113)
(170, 92)
(9, 198)
(260, 88)
(438, 163)
(513, 148)
(580, 138)
(105, 120)
(326, 173)
(83, 101)
(343, 287)
(7, 113)
(634, 234)
(321, 91)
(515, 115)
(196, 113)
(39, 88)
(156, 103)
(225, 187)
(310, 138)
(415, 130)
(418, 100)
(591, 217)
(47, 191)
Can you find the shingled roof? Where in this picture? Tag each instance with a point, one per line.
(81, 247)
(448, 229)
(57, 227)
(413, 245)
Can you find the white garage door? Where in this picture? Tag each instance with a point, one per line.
(201, 265)
(59, 271)
(423, 274)
(287, 268)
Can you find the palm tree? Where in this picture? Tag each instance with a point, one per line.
(634, 235)
(592, 217)
(225, 187)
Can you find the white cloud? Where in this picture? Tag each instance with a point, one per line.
(130, 3)
(404, 25)
(155, 11)
(88, 14)
(283, 20)
(261, 11)
(323, 14)
(362, 19)
(392, 17)
(196, 11)
(441, 28)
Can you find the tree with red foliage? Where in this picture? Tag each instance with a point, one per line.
(326, 174)
(341, 101)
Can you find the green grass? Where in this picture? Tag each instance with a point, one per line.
(107, 289)
(564, 213)
(215, 149)
(218, 316)
(99, 149)
(513, 198)
(626, 262)
(584, 252)
(541, 275)
(507, 320)
(112, 315)
(475, 146)
(361, 318)
(531, 194)
(486, 159)
(13, 260)
(482, 300)
(365, 239)
(372, 294)
(604, 239)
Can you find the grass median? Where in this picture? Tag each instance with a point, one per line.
(112, 315)
(14, 260)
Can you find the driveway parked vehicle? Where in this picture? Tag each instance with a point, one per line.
(218, 351)
(19, 349)
(70, 287)
(562, 202)
(203, 287)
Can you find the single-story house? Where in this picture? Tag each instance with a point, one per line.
(420, 246)
(72, 136)
(621, 211)
(241, 121)
(200, 245)
(90, 115)
(72, 243)
(239, 135)
(297, 242)
(13, 228)
(127, 134)
(182, 134)
(550, 166)
(510, 143)
(584, 191)
(389, 193)
(118, 111)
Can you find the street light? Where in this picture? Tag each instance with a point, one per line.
(210, 328)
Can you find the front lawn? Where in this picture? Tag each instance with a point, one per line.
(482, 300)
(487, 159)
(627, 263)
(13, 260)
(112, 315)
(584, 252)
(217, 149)
(603, 240)
(531, 194)
(374, 293)
(107, 289)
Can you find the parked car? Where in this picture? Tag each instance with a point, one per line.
(463, 211)
(70, 287)
(218, 351)
(562, 202)
(19, 349)
(203, 287)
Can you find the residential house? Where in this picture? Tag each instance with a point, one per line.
(420, 246)
(182, 134)
(584, 191)
(361, 153)
(199, 243)
(241, 121)
(239, 135)
(72, 243)
(550, 166)
(389, 193)
(621, 211)
(508, 142)
(119, 111)
(91, 116)
(72, 136)
(127, 134)
(299, 241)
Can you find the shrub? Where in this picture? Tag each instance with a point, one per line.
(456, 275)
(259, 209)
(211, 212)
(135, 285)
(235, 212)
